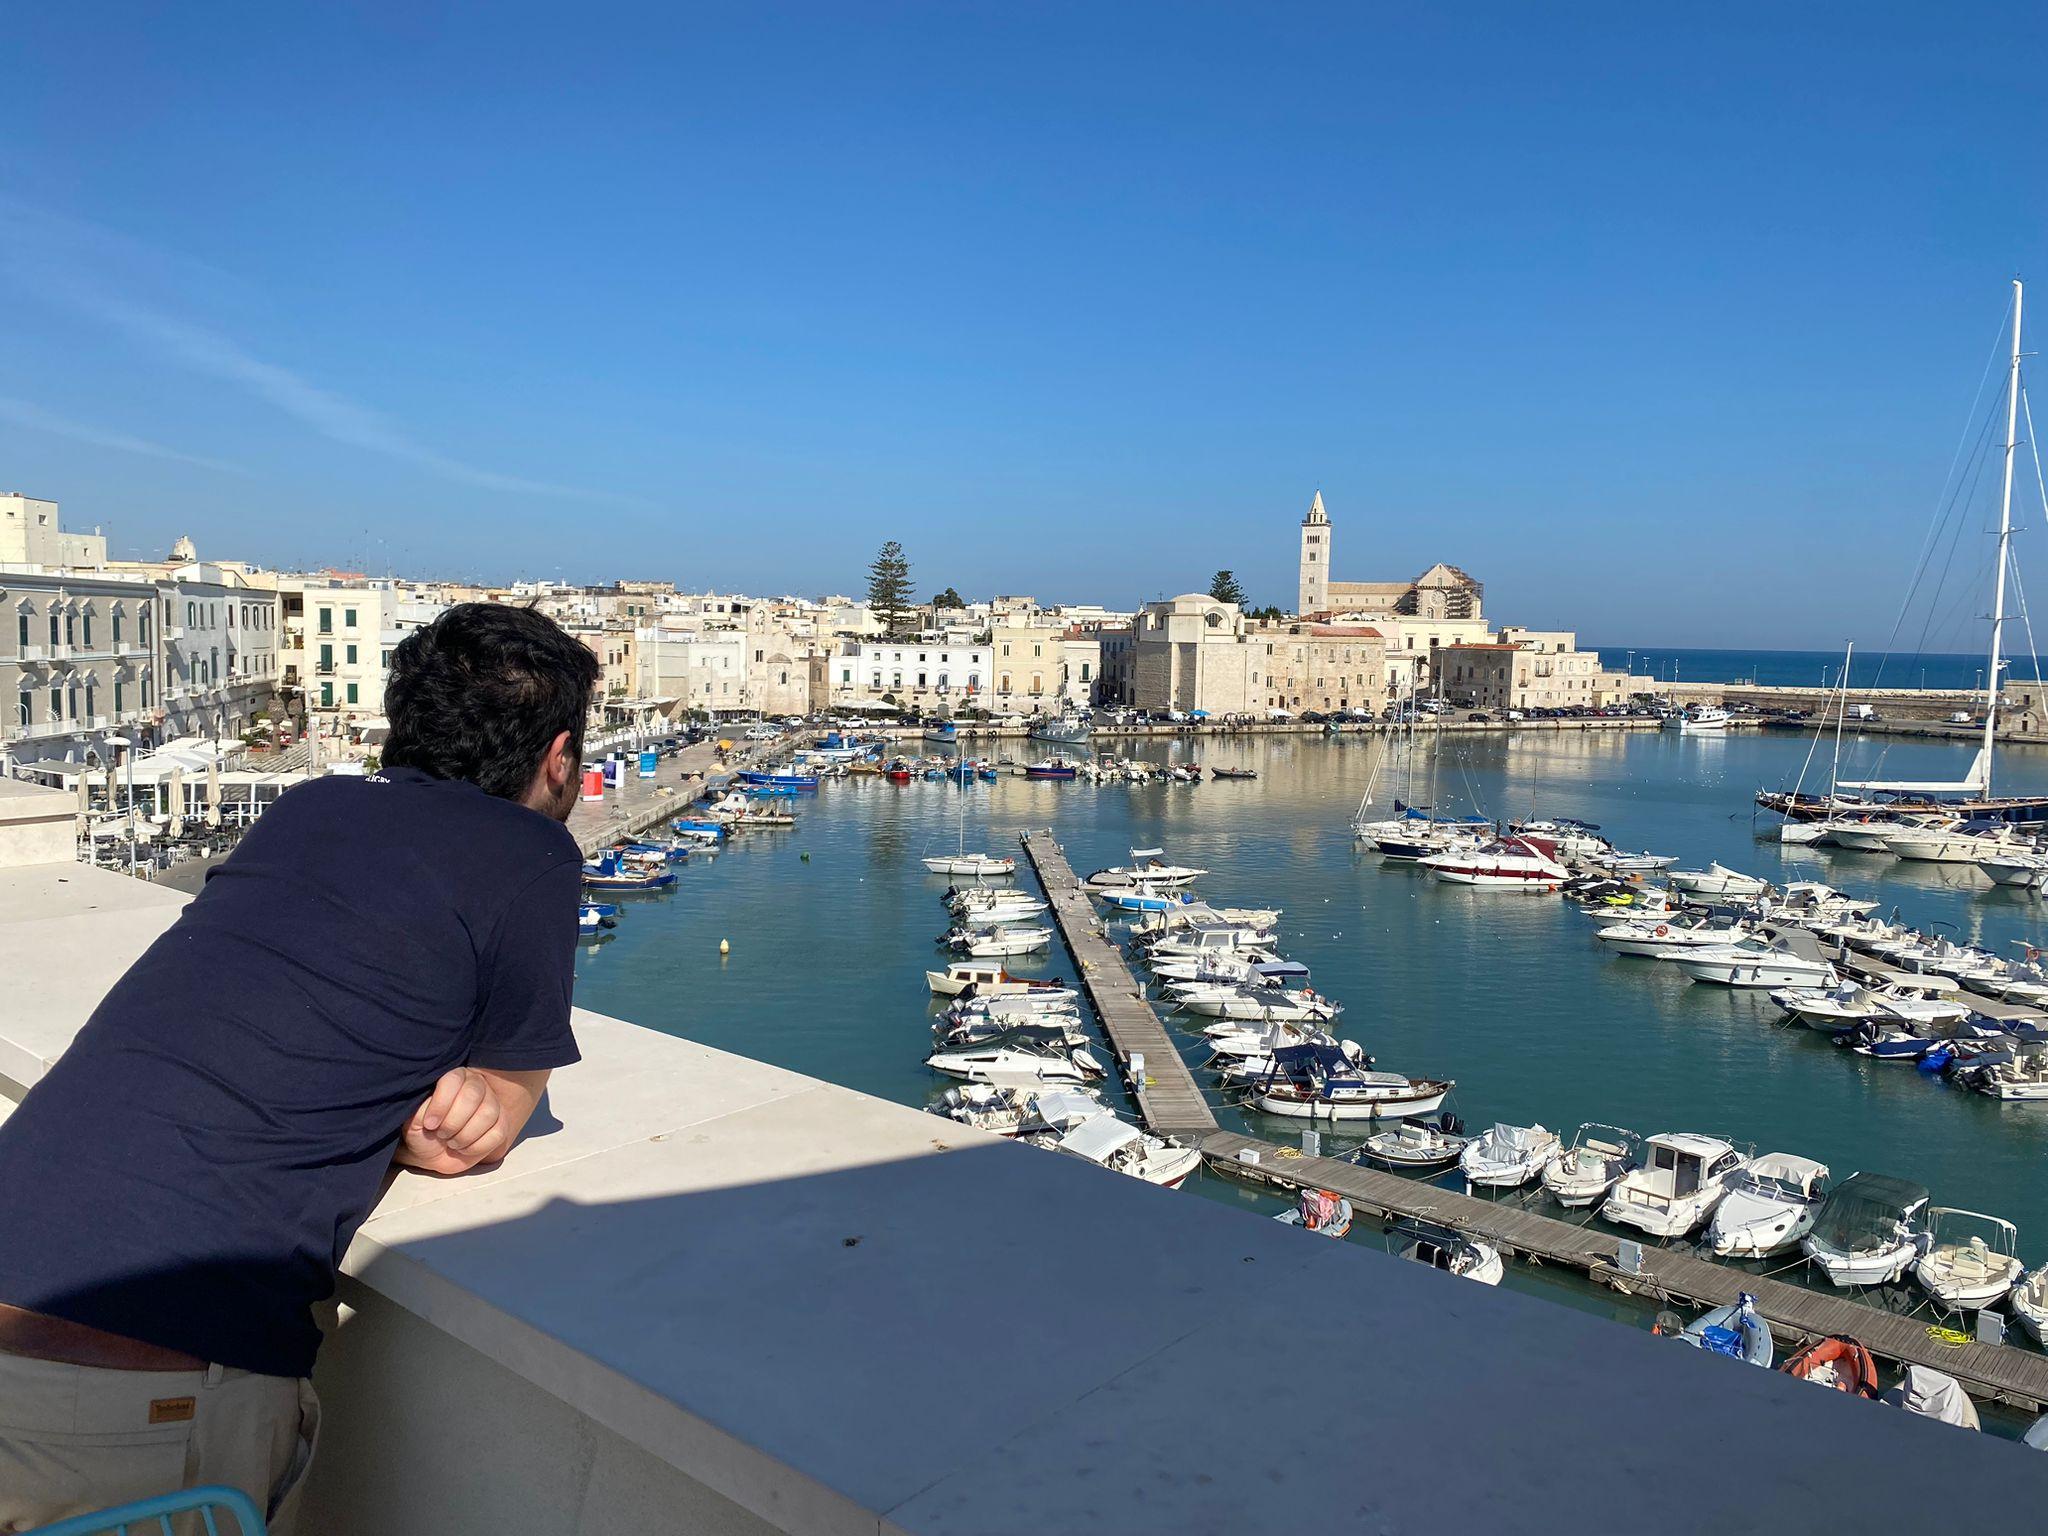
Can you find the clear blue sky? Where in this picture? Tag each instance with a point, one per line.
(1662, 322)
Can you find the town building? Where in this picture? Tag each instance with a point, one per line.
(1526, 669)
(942, 673)
(32, 534)
(1322, 667)
(79, 663)
(1188, 655)
(1441, 592)
(219, 652)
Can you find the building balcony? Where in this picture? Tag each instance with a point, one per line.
(707, 1294)
(43, 730)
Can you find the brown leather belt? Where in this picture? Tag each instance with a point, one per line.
(36, 1336)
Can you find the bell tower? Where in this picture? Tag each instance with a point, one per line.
(1315, 560)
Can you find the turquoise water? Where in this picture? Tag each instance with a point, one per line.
(831, 927)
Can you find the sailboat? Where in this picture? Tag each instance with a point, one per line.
(1971, 793)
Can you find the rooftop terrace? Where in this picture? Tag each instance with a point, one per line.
(707, 1294)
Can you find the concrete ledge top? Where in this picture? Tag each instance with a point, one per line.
(848, 1316)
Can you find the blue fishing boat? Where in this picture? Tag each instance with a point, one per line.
(1056, 769)
(758, 776)
(698, 830)
(594, 917)
(986, 774)
(608, 872)
(1144, 899)
(674, 852)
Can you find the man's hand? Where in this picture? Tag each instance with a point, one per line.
(473, 1116)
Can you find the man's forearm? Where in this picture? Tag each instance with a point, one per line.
(473, 1117)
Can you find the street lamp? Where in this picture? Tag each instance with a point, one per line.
(128, 756)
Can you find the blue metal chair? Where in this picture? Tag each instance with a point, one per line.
(207, 1503)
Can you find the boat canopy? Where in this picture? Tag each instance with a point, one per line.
(1100, 1138)
(1064, 1108)
(1976, 782)
(1307, 1060)
(1866, 1209)
(1138, 854)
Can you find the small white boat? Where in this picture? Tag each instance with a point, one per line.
(1700, 720)
(1769, 1207)
(1121, 1147)
(995, 943)
(1019, 1057)
(1962, 844)
(2023, 1079)
(1320, 1082)
(1592, 1165)
(986, 981)
(1934, 1395)
(1014, 1111)
(985, 866)
(1971, 1261)
(2028, 1303)
(2019, 867)
(1791, 959)
(1415, 1145)
(1677, 1188)
(1848, 1004)
(1447, 1249)
(1717, 880)
(1508, 1156)
(1147, 868)
(1321, 1211)
(1655, 940)
(995, 914)
(1868, 1230)
(1272, 1005)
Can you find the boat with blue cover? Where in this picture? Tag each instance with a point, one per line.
(773, 780)
(609, 872)
(1057, 768)
(698, 829)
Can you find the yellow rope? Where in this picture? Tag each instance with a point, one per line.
(1942, 1335)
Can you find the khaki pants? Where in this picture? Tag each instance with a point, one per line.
(76, 1438)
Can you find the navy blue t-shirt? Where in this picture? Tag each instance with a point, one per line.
(192, 1169)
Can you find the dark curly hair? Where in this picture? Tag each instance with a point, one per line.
(480, 693)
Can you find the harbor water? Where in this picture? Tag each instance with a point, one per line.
(831, 926)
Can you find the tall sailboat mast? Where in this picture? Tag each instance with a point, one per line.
(2012, 442)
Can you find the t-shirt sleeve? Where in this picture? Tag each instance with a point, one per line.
(526, 977)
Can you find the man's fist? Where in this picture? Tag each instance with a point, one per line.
(461, 1124)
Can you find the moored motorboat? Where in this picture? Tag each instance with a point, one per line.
(1717, 880)
(1790, 959)
(1583, 1173)
(1683, 1177)
(1147, 867)
(1934, 1395)
(1868, 1230)
(1017, 1111)
(1319, 1082)
(986, 980)
(1770, 1205)
(1425, 1142)
(2028, 1303)
(1122, 1148)
(1508, 1156)
(1655, 938)
(1514, 863)
(995, 943)
(1972, 1260)
(1031, 1055)
(1448, 1249)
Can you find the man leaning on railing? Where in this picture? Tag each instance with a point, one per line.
(379, 974)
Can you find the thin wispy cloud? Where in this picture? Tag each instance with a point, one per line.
(61, 259)
(27, 414)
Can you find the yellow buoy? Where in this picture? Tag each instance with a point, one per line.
(725, 946)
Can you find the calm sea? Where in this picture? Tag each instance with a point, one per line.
(1807, 669)
(831, 925)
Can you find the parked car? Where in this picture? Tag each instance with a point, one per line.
(1480, 717)
(1512, 714)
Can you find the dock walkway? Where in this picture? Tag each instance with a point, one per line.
(1168, 1097)
(1172, 1104)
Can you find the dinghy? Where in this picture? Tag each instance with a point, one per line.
(1321, 1211)
(1737, 1330)
(2028, 1303)
(1840, 1362)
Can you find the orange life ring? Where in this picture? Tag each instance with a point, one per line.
(1662, 929)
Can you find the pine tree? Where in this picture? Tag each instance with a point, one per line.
(889, 593)
(948, 599)
(1224, 589)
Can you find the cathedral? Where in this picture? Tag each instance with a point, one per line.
(1441, 592)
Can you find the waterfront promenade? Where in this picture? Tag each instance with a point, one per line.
(637, 804)
(1172, 1103)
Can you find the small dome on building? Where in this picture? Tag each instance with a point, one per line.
(184, 551)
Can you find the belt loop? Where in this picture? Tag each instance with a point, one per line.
(216, 1373)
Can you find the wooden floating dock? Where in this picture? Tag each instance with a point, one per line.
(1168, 1098)
(1172, 1104)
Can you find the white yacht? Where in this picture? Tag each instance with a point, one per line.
(1146, 868)
(1701, 719)
(1018, 1057)
(1510, 864)
(1769, 1207)
(1271, 1005)
(1660, 939)
(1791, 959)
(1677, 1188)
(996, 943)
(1848, 1004)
